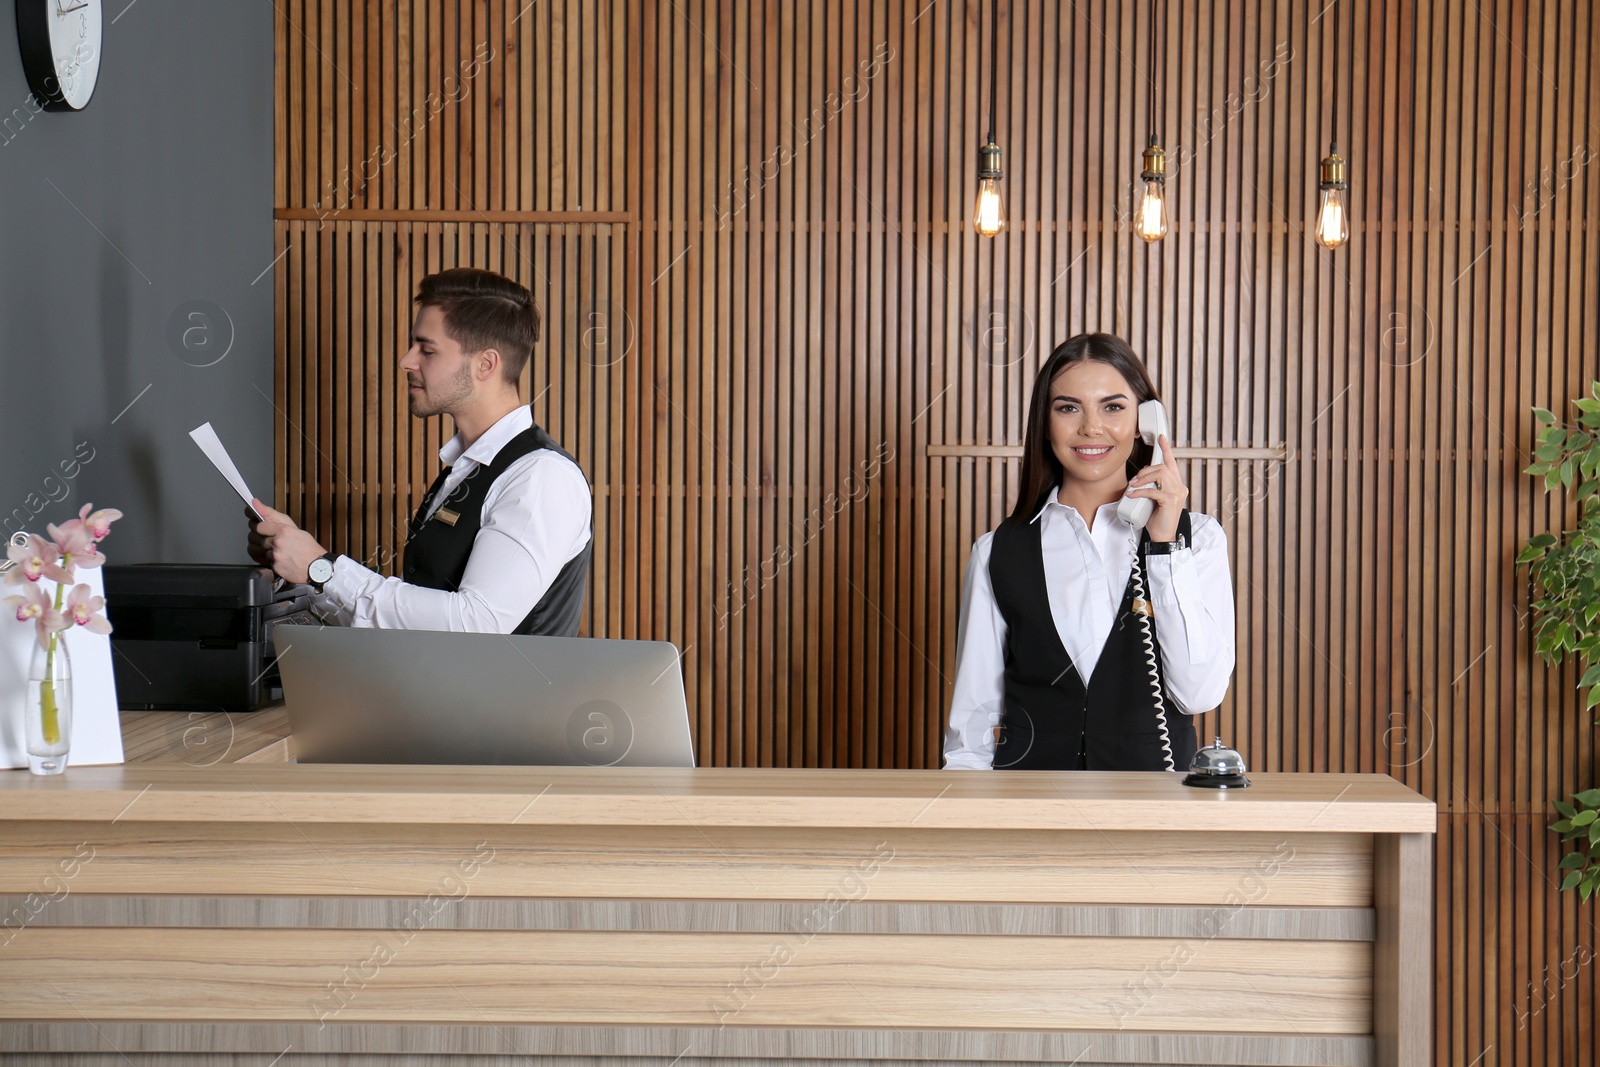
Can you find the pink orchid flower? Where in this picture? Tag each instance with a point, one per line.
(82, 610)
(98, 522)
(76, 544)
(34, 604)
(35, 560)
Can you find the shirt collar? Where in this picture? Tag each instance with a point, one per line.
(1053, 501)
(492, 441)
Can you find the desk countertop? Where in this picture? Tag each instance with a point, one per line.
(707, 797)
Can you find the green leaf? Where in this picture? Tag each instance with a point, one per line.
(1584, 818)
(1592, 699)
(1544, 415)
(1586, 404)
(1566, 810)
(1561, 826)
(1568, 470)
(1544, 540)
(1571, 861)
(1560, 634)
(1589, 798)
(1572, 879)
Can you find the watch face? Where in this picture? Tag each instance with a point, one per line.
(321, 570)
(60, 42)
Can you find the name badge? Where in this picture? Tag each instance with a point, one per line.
(446, 516)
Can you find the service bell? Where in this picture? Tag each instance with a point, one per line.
(1217, 767)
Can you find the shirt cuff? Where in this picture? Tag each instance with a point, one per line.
(1172, 574)
(339, 592)
(1175, 591)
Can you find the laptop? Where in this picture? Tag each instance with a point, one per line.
(426, 696)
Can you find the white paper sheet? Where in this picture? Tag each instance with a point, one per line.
(211, 445)
(96, 727)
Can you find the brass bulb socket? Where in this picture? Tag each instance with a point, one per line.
(1155, 164)
(1333, 173)
(989, 162)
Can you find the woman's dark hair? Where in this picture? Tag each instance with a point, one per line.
(1041, 470)
(484, 310)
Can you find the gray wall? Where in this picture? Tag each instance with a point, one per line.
(114, 222)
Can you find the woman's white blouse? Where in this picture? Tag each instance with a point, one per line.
(1085, 574)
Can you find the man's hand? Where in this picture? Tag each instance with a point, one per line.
(278, 543)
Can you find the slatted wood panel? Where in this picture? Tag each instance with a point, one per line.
(788, 283)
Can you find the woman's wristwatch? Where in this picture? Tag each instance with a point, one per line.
(1166, 548)
(320, 573)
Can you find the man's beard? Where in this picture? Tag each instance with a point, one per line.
(456, 390)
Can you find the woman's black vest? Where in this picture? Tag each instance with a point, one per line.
(438, 549)
(1053, 718)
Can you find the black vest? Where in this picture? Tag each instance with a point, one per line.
(437, 550)
(1054, 720)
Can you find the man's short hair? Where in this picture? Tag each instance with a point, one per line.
(484, 310)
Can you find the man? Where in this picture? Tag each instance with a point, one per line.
(502, 542)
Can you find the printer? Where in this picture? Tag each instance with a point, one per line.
(197, 636)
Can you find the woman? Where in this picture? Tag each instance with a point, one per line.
(1086, 644)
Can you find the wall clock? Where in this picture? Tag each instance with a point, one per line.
(60, 41)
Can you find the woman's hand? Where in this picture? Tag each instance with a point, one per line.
(1162, 483)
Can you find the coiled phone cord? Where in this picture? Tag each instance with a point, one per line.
(1149, 639)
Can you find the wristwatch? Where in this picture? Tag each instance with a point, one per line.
(320, 573)
(1166, 548)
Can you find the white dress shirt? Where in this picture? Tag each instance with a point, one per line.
(536, 519)
(1086, 572)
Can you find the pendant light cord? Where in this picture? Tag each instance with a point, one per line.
(1152, 68)
(1157, 31)
(994, 61)
(1334, 125)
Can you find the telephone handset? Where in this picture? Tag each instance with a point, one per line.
(1136, 510)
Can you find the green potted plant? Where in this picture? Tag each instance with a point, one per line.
(1566, 573)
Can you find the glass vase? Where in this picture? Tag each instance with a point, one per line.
(49, 706)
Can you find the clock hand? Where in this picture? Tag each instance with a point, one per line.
(69, 10)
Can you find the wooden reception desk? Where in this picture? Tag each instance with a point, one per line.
(712, 916)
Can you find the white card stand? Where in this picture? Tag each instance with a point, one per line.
(96, 728)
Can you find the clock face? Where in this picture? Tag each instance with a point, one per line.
(60, 42)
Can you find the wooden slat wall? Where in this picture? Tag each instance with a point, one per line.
(760, 280)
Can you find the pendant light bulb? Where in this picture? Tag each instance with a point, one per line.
(1150, 218)
(989, 213)
(1333, 210)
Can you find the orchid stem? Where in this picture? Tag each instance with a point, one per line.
(49, 713)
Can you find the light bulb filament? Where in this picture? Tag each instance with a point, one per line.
(1333, 221)
(989, 216)
(1150, 220)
